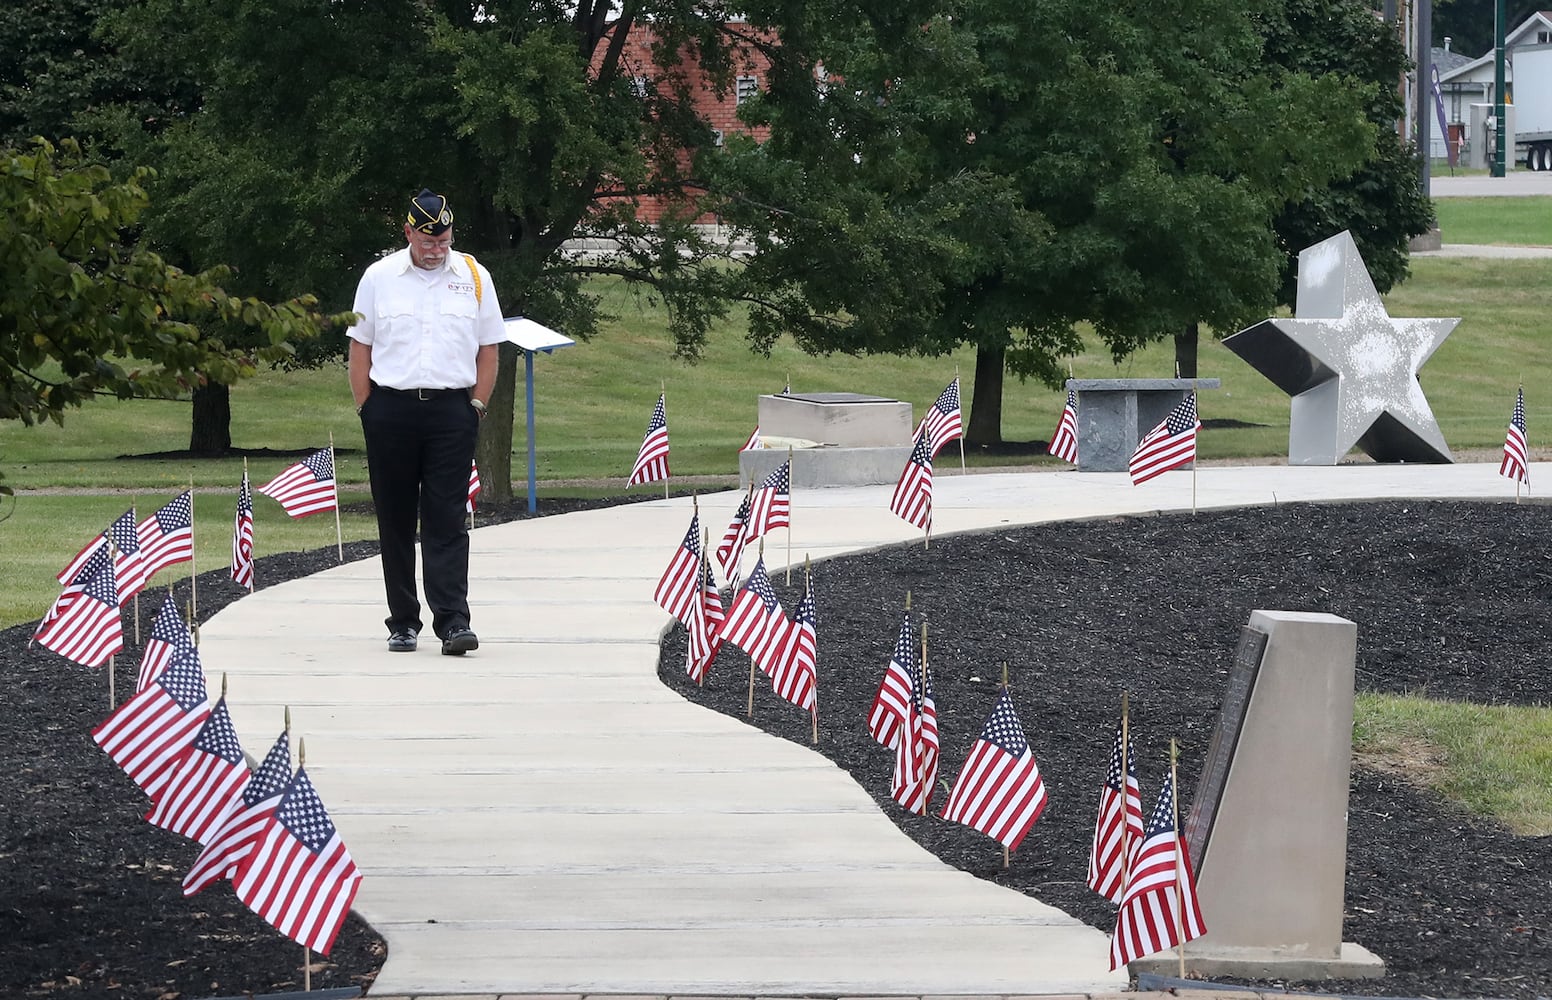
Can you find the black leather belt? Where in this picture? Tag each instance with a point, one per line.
(421, 394)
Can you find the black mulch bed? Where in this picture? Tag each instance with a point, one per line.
(1451, 599)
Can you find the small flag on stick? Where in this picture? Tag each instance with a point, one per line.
(307, 487)
(1170, 445)
(999, 791)
(242, 536)
(1516, 457)
(1064, 440)
(652, 460)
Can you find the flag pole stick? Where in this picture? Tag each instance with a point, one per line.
(663, 388)
(789, 514)
(700, 598)
(193, 565)
(334, 466)
(1006, 854)
(1126, 736)
(134, 516)
(1174, 809)
(750, 710)
(113, 553)
(961, 432)
(252, 576)
(808, 583)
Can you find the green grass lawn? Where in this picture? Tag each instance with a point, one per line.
(1509, 221)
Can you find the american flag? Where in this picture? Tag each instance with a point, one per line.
(245, 815)
(169, 635)
(916, 755)
(677, 590)
(307, 487)
(943, 422)
(999, 791)
(1064, 441)
(704, 626)
(1169, 445)
(167, 537)
(96, 557)
(1160, 909)
(912, 498)
(754, 443)
(652, 460)
(892, 704)
(474, 487)
(757, 624)
(787, 389)
(146, 735)
(796, 681)
(127, 562)
(300, 877)
(85, 625)
(731, 550)
(1516, 459)
(204, 781)
(771, 507)
(242, 536)
(1118, 830)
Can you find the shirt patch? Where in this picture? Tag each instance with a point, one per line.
(461, 287)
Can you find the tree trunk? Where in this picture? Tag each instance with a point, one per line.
(1185, 351)
(986, 409)
(493, 453)
(210, 434)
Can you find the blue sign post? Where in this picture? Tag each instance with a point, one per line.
(533, 339)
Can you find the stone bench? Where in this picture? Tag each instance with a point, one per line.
(837, 439)
(1115, 413)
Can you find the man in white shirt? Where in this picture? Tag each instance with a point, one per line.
(422, 364)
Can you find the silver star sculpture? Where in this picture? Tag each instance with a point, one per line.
(1350, 367)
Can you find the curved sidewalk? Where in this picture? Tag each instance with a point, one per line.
(544, 816)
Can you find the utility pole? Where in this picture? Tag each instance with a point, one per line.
(1500, 165)
(1423, 11)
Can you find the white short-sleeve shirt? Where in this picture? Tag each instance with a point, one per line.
(425, 327)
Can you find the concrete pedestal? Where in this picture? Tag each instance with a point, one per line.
(1115, 413)
(851, 439)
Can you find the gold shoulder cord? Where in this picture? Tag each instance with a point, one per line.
(479, 289)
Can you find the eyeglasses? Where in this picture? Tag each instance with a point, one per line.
(434, 242)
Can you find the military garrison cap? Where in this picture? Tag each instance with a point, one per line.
(429, 213)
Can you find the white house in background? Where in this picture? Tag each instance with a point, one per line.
(1464, 81)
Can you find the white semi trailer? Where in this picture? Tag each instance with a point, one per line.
(1532, 121)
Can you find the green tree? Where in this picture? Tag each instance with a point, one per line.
(1382, 202)
(85, 311)
(58, 74)
(319, 121)
(994, 172)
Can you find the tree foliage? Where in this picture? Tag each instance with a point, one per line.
(86, 310)
(317, 122)
(994, 172)
(1381, 202)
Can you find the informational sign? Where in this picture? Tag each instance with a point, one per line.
(1220, 752)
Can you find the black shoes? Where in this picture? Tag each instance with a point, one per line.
(402, 641)
(459, 640)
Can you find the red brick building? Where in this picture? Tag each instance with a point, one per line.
(750, 69)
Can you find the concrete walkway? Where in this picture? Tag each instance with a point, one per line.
(543, 816)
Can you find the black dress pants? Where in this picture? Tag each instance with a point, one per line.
(418, 453)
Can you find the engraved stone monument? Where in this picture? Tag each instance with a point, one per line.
(837, 439)
(1267, 828)
(1115, 413)
(1350, 367)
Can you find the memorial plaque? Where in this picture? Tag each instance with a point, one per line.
(1220, 752)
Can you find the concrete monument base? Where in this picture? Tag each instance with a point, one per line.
(1287, 964)
(846, 438)
(824, 466)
